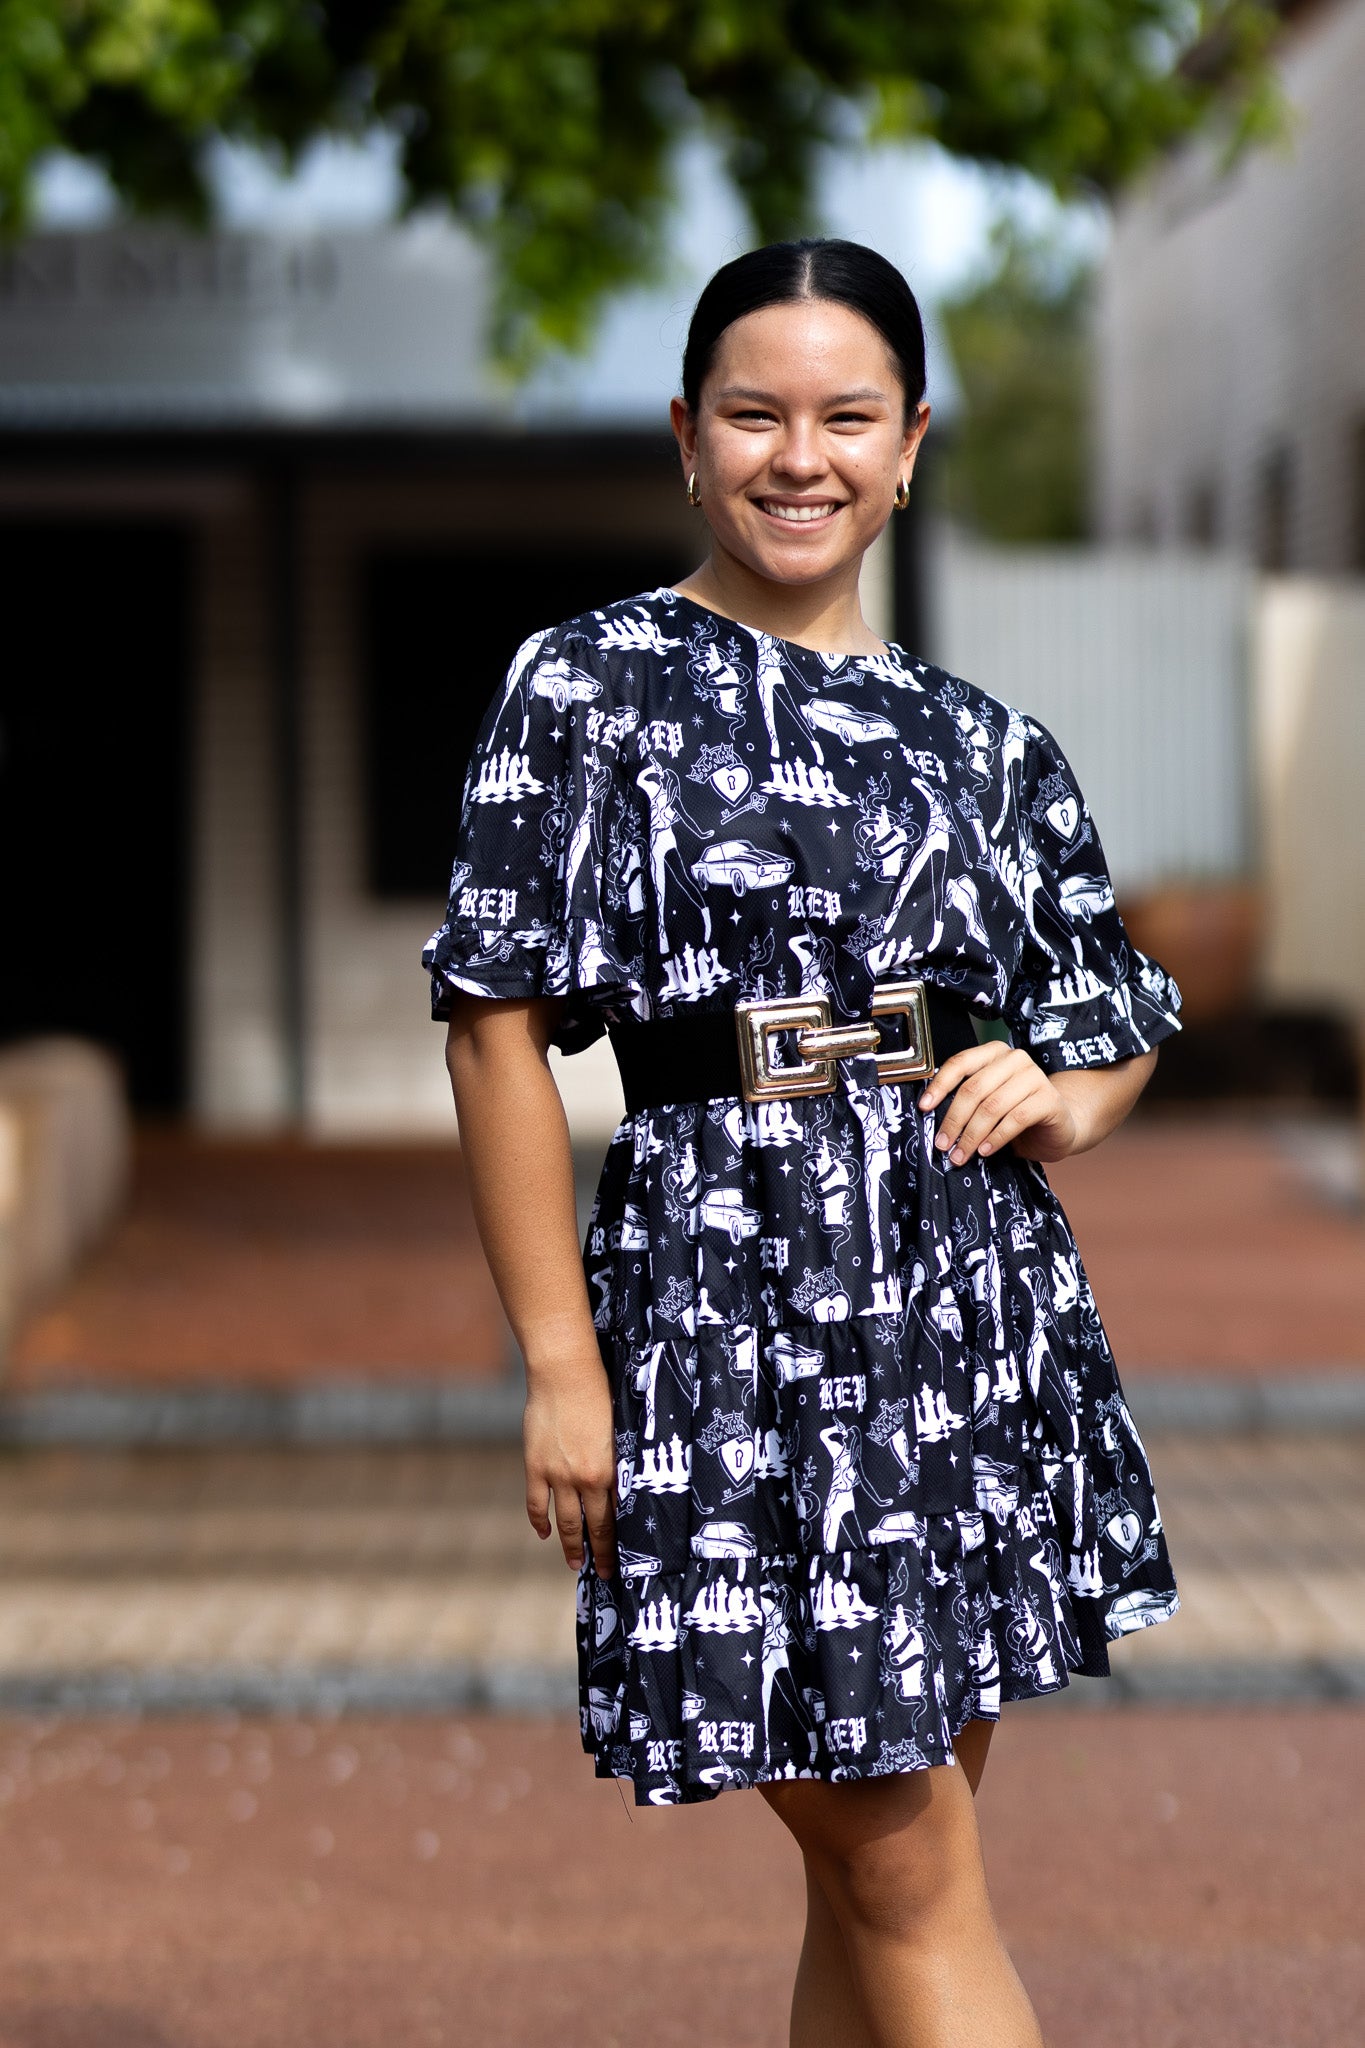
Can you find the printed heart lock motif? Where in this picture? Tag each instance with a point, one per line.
(1125, 1531)
(1064, 816)
(606, 1624)
(981, 1391)
(732, 783)
(737, 1456)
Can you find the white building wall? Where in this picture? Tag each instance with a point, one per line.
(1138, 665)
(1231, 316)
(1310, 756)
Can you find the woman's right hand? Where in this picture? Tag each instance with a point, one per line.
(570, 1461)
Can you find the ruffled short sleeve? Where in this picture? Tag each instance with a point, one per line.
(543, 892)
(1082, 994)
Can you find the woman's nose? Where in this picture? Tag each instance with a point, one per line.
(800, 457)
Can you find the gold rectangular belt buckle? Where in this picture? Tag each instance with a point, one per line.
(756, 1023)
(914, 1061)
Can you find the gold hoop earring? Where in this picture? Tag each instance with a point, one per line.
(693, 494)
(902, 498)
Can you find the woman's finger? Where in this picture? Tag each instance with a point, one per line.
(601, 1520)
(538, 1505)
(985, 1127)
(978, 1088)
(958, 1068)
(569, 1520)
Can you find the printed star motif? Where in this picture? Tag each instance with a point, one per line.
(731, 1265)
(856, 1654)
(747, 1658)
(833, 828)
(518, 820)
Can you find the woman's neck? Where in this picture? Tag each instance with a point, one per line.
(825, 616)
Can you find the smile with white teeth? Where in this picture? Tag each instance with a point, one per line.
(798, 512)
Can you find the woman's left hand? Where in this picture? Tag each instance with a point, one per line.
(1003, 1097)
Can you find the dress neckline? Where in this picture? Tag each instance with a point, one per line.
(892, 648)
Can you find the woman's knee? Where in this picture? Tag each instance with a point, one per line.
(891, 1856)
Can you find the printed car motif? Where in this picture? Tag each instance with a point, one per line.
(846, 722)
(741, 865)
(1085, 896)
(723, 1209)
(631, 1233)
(565, 685)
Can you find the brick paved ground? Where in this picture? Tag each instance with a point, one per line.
(1165, 1880)
(268, 1264)
(1210, 1247)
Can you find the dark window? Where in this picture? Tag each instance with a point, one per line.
(1357, 536)
(94, 783)
(1201, 515)
(1274, 493)
(438, 630)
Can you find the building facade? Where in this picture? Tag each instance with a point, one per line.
(271, 532)
(1231, 387)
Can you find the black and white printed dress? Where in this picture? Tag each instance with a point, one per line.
(875, 1470)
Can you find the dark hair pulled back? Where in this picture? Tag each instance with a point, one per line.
(846, 273)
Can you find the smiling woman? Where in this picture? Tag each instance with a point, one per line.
(801, 416)
(824, 1416)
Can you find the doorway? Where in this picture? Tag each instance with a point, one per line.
(94, 792)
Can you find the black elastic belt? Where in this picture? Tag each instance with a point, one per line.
(696, 1058)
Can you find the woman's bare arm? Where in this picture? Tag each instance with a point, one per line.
(1004, 1098)
(516, 1145)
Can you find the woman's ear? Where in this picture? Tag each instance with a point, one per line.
(684, 424)
(914, 434)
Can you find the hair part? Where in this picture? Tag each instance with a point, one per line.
(785, 273)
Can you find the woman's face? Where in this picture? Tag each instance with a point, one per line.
(799, 439)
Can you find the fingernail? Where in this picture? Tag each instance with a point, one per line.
(957, 1155)
(983, 1150)
(926, 1102)
(942, 1142)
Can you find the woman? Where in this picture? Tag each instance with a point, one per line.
(824, 1416)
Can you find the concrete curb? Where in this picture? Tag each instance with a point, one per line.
(294, 1689)
(1325, 1399)
(388, 1411)
(371, 1412)
(552, 1689)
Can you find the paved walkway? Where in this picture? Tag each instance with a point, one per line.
(1216, 1246)
(276, 1264)
(397, 1576)
(1164, 1879)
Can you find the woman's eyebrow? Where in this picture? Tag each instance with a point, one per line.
(842, 398)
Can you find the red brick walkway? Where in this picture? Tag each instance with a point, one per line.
(1165, 1880)
(265, 1264)
(1209, 1252)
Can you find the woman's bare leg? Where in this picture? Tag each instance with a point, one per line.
(894, 1864)
(826, 2008)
